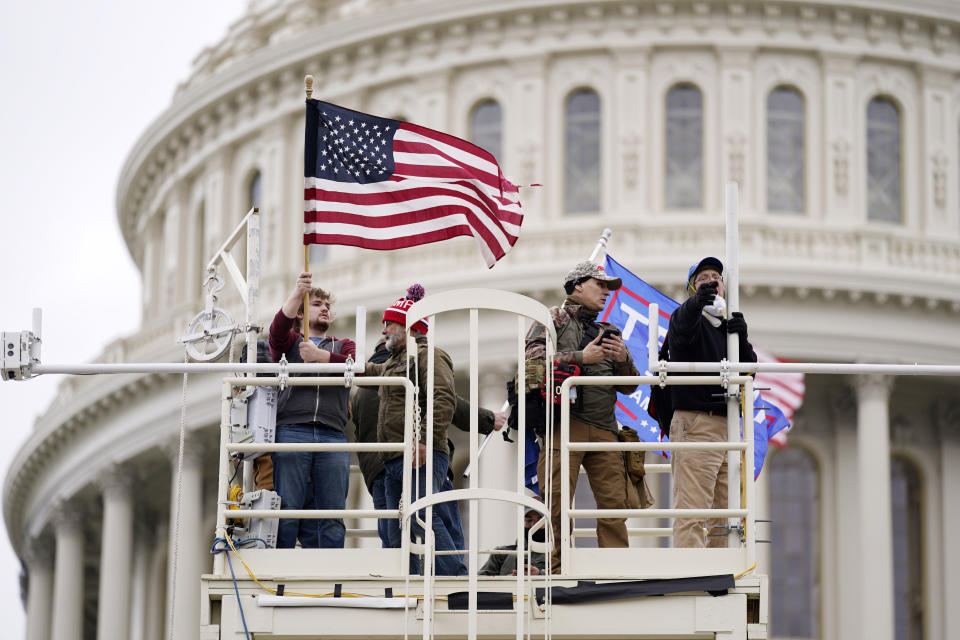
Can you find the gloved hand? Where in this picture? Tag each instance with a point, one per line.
(706, 293)
(736, 324)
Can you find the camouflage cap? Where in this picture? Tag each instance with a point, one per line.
(586, 269)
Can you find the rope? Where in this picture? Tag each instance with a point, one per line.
(179, 499)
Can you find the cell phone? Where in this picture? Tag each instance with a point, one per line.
(608, 333)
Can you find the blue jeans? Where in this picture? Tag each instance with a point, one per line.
(393, 486)
(384, 525)
(450, 513)
(329, 475)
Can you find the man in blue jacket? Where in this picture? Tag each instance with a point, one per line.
(698, 333)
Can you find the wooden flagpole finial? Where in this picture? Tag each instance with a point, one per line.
(308, 85)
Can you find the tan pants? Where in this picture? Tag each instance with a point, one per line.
(699, 478)
(607, 478)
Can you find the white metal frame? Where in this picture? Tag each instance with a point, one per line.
(526, 309)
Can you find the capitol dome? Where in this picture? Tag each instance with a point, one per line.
(840, 122)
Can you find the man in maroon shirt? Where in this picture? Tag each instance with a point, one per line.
(310, 414)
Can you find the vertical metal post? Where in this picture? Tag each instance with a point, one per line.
(732, 277)
(406, 494)
(653, 337)
(564, 477)
(361, 339)
(430, 541)
(521, 468)
(750, 490)
(223, 474)
(475, 476)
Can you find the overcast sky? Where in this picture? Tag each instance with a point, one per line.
(80, 82)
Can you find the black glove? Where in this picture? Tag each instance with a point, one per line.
(706, 294)
(736, 324)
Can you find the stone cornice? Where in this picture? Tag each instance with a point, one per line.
(217, 106)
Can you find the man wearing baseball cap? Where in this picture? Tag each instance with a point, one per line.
(698, 333)
(581, 341)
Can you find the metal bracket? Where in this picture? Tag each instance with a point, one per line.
(283, 375)
(725, 530)
(348, 373)
(662, 373)
(725, 373)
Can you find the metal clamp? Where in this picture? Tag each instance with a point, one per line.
(725, 530)
(283, 375)
(725, 373)
(348, 373)
(662, 373)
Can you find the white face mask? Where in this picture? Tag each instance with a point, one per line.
(716, 311)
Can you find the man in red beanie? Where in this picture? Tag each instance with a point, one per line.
(391, 417)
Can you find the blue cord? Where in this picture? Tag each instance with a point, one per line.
(215, 550)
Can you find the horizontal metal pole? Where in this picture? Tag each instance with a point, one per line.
(309, 514)
(189, 367)
(657, 513)
(671, 367)
(637, 532)
(818, 367)
(597, 381)
(252, 447)
(657, 446)
(362, 533)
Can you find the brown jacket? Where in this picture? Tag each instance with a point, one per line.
(390, 415)
(598, 402)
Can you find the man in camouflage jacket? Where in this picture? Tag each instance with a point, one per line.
(580, 342)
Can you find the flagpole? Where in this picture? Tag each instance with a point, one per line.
(601, 244)
(308, 87)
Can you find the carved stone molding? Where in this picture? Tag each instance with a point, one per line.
(873, 386)
(841, 165)
(631, 142)
(117, 479)
(842, 404)
(68, 514)
(910, 431)
(947, 419)
(939, 164)
(38, 552)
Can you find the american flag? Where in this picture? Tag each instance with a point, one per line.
(785, 390)
(385, 184)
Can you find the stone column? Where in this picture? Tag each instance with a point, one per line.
(841, 562)
(68, 574)
(185, 545)
(39, 561)
(116, 559)
(948, 423)
(875, 533)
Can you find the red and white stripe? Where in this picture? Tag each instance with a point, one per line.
(785, 390)
(442, 187)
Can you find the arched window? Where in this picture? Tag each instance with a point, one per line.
(883, 161)
(486, 127)
(582, 160)
(255, 191)
(907, 516)
(785, 145)
(684, 148)
(795, 545)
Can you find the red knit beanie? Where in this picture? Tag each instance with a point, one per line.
(397, 312)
